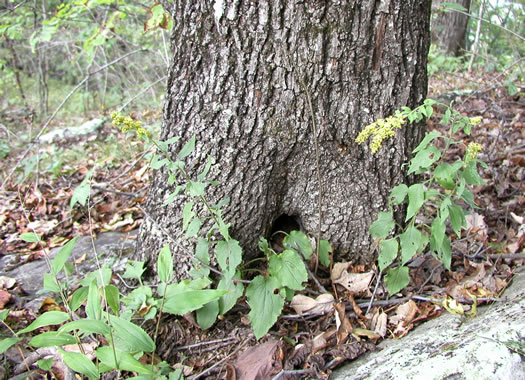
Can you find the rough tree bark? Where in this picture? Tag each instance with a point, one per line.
(236, 83)
(449, 29)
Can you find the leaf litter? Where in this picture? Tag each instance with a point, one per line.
(316, 332)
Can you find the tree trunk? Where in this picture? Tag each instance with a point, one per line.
(449, 29)
(241, 78)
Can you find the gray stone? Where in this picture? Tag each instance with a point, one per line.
(112, 248)
(87, 128)
(453, 347)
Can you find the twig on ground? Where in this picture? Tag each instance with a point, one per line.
(285, 372)
(203, 373)
(209, 342)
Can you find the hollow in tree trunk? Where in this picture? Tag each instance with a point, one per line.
(242, 78)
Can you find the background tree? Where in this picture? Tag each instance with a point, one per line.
(449, 28)
(246, 79)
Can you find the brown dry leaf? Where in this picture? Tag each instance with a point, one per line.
(517, 219)
(321, 340)
(344, 327)
(7, 282)
(259, 362)
(302, 304)
(5, 298)
(49, 304)
(338, 269)
(364, 333)
(356, 283)
(81, 259)
(88, 349)
(476, 224)
(378, 322)
(405, 313)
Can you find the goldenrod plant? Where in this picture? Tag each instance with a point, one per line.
(442, 185)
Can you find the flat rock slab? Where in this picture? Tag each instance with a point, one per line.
(454, 347)
(112, 248)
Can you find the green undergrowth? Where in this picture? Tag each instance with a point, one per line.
(99, 312)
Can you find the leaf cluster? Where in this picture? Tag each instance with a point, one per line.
(442, 196)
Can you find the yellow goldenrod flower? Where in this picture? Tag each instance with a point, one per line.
(381, 129)
(472, 152)
(475, 120)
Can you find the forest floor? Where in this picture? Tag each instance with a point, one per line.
(37, 198)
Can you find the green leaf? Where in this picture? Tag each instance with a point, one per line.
(6, 343)
(235, 291)
(470, 173)
(196, 189)
(88, 326)
(453, 6)
(207, 315)
(416, 197)
(446, 174)
(30, 237)
(52, 338)
(266, 306)
(444, 207)
(396, 279)
(446, 117)
(80, 363)
(81, 192)
(187, 149)
(193, 228)
(202, 175)
(183, 302)
(93, 307)
(387, 253)
(187, 214)
(410, 241)
(446, 253)
(45, 364)
(457, 218)
(165, 264)
(299, 241)
(61, 257)
(47, 319)
(264, 246)
(229, 256)
(125, 361)
(130, 337)
(134, 269)
(324, 253)
(50, 283)
(113, 298)
(424, 160)
(398, 194)
(3, 314)
(289, 269)
(437, 233)
(383, 225)
(426, 140)
(172, 196)
(201, 253)
(157, 163)
(223, 227)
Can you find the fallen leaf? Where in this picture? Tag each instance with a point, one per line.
(476, 224)
(378, 323)
(356, 283)
(344, 327)
(259, 362)
(5, 298)
(7, 282)
(302, 304)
